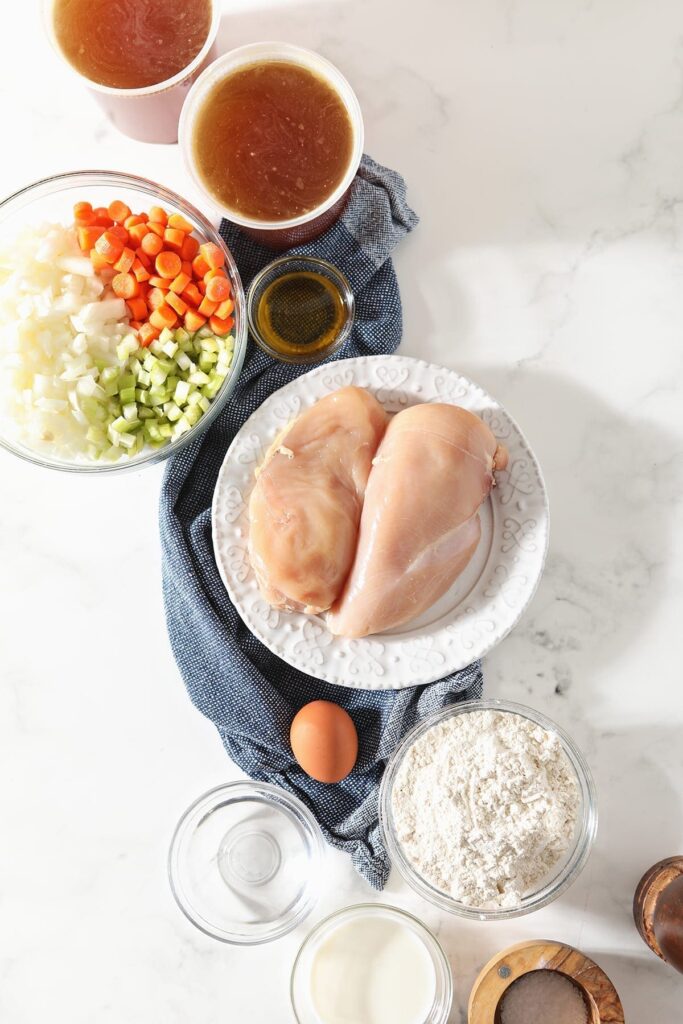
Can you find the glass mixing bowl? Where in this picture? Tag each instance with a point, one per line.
(246, 862)
(52, 200)
(565, 872)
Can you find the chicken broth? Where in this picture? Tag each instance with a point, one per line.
(131, 44)
(272, 141)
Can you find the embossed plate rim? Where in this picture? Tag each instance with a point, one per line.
(387, 661)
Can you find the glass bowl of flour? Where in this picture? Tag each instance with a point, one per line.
(488, 810)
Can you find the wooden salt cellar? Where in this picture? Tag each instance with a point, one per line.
(602, 1002)
(650, 888)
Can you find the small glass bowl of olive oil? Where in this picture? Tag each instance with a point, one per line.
(300, 309)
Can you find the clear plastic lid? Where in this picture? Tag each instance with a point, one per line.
(245, 862)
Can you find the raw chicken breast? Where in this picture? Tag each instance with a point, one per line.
(420, 524)
(305, 508)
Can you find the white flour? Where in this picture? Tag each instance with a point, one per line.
(485, 804)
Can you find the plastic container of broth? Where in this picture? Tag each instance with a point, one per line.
(148, 113)
(276, 232)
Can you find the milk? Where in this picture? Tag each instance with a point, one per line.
(372, 970)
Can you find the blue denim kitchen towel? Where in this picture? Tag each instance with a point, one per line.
(248, 693)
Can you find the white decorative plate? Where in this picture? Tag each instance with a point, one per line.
(486, 600)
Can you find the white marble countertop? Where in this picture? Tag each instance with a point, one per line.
(541, 143)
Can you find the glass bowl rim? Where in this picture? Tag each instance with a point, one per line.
(436, 950)
(279, 266)
(249, 788)
(251, 54)
(143, 90)
(588, 815)
(97, 178)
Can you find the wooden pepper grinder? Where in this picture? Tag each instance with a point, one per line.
(658, 910)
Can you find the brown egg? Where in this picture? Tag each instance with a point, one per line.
(324, 741)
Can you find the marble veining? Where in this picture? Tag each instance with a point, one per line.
(541, 143)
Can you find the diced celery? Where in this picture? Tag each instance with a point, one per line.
(206, 361)
(127, 440)
(166, 430)
(120, 425)
(149, 362)
(144, 378)
(172, 411)
(204, 403)
(145, 413)
(194, 398)
(198, 377)
(130, 412)
(181, 393)
(193, 414)
(126, 380)
(184, 361)
(127, 395)
(126, 347)
(181, 335)
(170, 348)
(209, 344)
(158, 376)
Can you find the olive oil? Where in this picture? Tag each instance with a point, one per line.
(301, 314)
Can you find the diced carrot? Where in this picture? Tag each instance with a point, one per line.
(207, 307)
(110, 246)
(98, 262)
(176, 220)
(83, 214)
(144, 259)
(192, 294)
(151, 244)
(216, 272)
(218, 289)
(155, 298)
(102, 216)
(141, 273)
(193, 320)
(176, 303)
(157, 228)
(120, 232)
(168, 264)
(107, 274)
(219, 326)
(159, 282)
(187, 268)
(163, 316)
(190, 248)
(214, 256)
(137, 307)
(118, 211)
(202, 287)
(87, 236)
(158, 214)
(125, 286)
(125, 260)
(133, 221)
(173, 239)
(137, 232)
(148, 333)
(180, 283)
(135, 324)
(225, 309)
(200, 266)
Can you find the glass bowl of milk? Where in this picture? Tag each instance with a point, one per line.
(372, 963)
